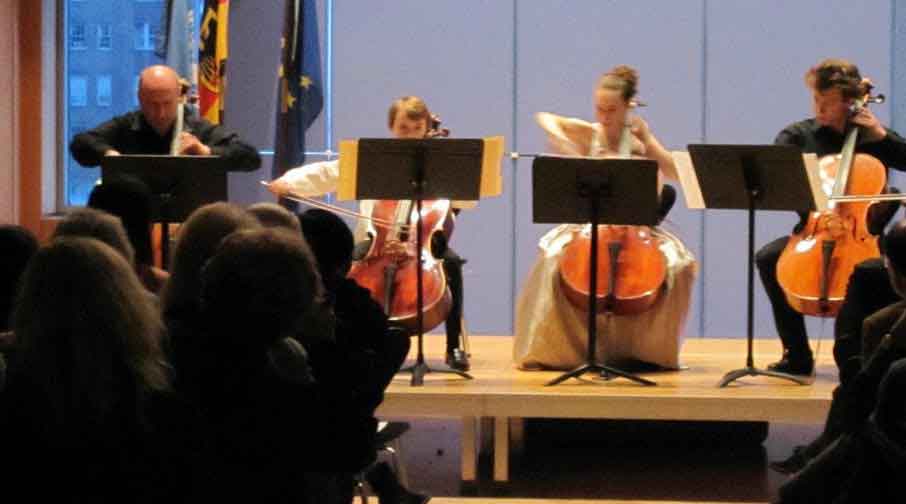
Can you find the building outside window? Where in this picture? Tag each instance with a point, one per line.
(105, 37)
(104, 91)
(77, 36)
(78, 91)
(125, 45)
(144, 36)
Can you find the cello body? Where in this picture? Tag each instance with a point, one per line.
(816, 264)
(389, 270)
(635, 282)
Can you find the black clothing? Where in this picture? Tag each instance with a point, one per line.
(131, 134)
(355, 369)
(144, 451)
(865, 463)
(821, 140)
(868, 291)
(854, 398)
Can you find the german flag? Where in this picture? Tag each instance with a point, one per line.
(212, 56)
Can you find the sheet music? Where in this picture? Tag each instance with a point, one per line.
(692, 191)
(810, 160)
(491, 175)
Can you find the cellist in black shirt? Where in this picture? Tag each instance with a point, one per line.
(834, 85)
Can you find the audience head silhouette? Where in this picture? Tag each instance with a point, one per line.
(259, 287)
(199, 237)
(331, 242)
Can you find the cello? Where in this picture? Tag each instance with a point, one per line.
(631, 268)
(815, 266)
(388, 270)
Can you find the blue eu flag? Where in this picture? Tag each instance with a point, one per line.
(300, 95)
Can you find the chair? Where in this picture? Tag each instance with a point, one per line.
(387, 441)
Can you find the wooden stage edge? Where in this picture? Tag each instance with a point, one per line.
(507, 395)
(491, 500)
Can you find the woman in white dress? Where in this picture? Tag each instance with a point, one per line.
(551, 333)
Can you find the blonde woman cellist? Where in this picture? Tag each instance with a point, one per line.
(551, 332)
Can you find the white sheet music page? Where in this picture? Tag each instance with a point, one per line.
(810, 160)
(692, 191)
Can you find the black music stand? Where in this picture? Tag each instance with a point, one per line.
(596, 191)
(178, 184)
(753, 177)
(416, 170)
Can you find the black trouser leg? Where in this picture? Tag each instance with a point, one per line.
(867, 291)
(453, 269)
(790, 323)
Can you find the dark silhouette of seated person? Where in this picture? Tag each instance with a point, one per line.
(272, 215)
(273, 426)
(198, 239)
(866, 463)
(867, 290)
(365, 354)
(883, 342)
(88, 406)
(131, 200)
(17, 246)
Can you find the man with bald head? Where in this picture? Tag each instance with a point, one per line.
(150, 129)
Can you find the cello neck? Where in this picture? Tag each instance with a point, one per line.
(846, 160)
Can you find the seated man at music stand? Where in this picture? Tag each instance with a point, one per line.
(151, 129)
(408, 117)
(834, 84)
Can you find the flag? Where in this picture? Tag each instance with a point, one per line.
(212, 56)
(177, 46)
(300, 96)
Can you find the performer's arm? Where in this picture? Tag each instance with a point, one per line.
(312, 179)
(653, 148)
(238, 155)
(89, 147)
(891, 150)
(566, 135)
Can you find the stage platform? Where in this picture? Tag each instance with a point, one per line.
(490, 500)
(507, 395)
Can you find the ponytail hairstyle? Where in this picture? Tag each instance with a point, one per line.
(621, 78)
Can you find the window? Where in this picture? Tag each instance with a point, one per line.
(104, 91)
(144, 37)
(78, 91)
(125, 32)
(105, 37)
(77, 36)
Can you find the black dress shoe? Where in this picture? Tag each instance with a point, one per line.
(802, 367)
(792, 464)
(458, 359)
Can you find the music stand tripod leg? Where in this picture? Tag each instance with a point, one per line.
(421, 368)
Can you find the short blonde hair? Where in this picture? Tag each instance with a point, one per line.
(414, 107)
